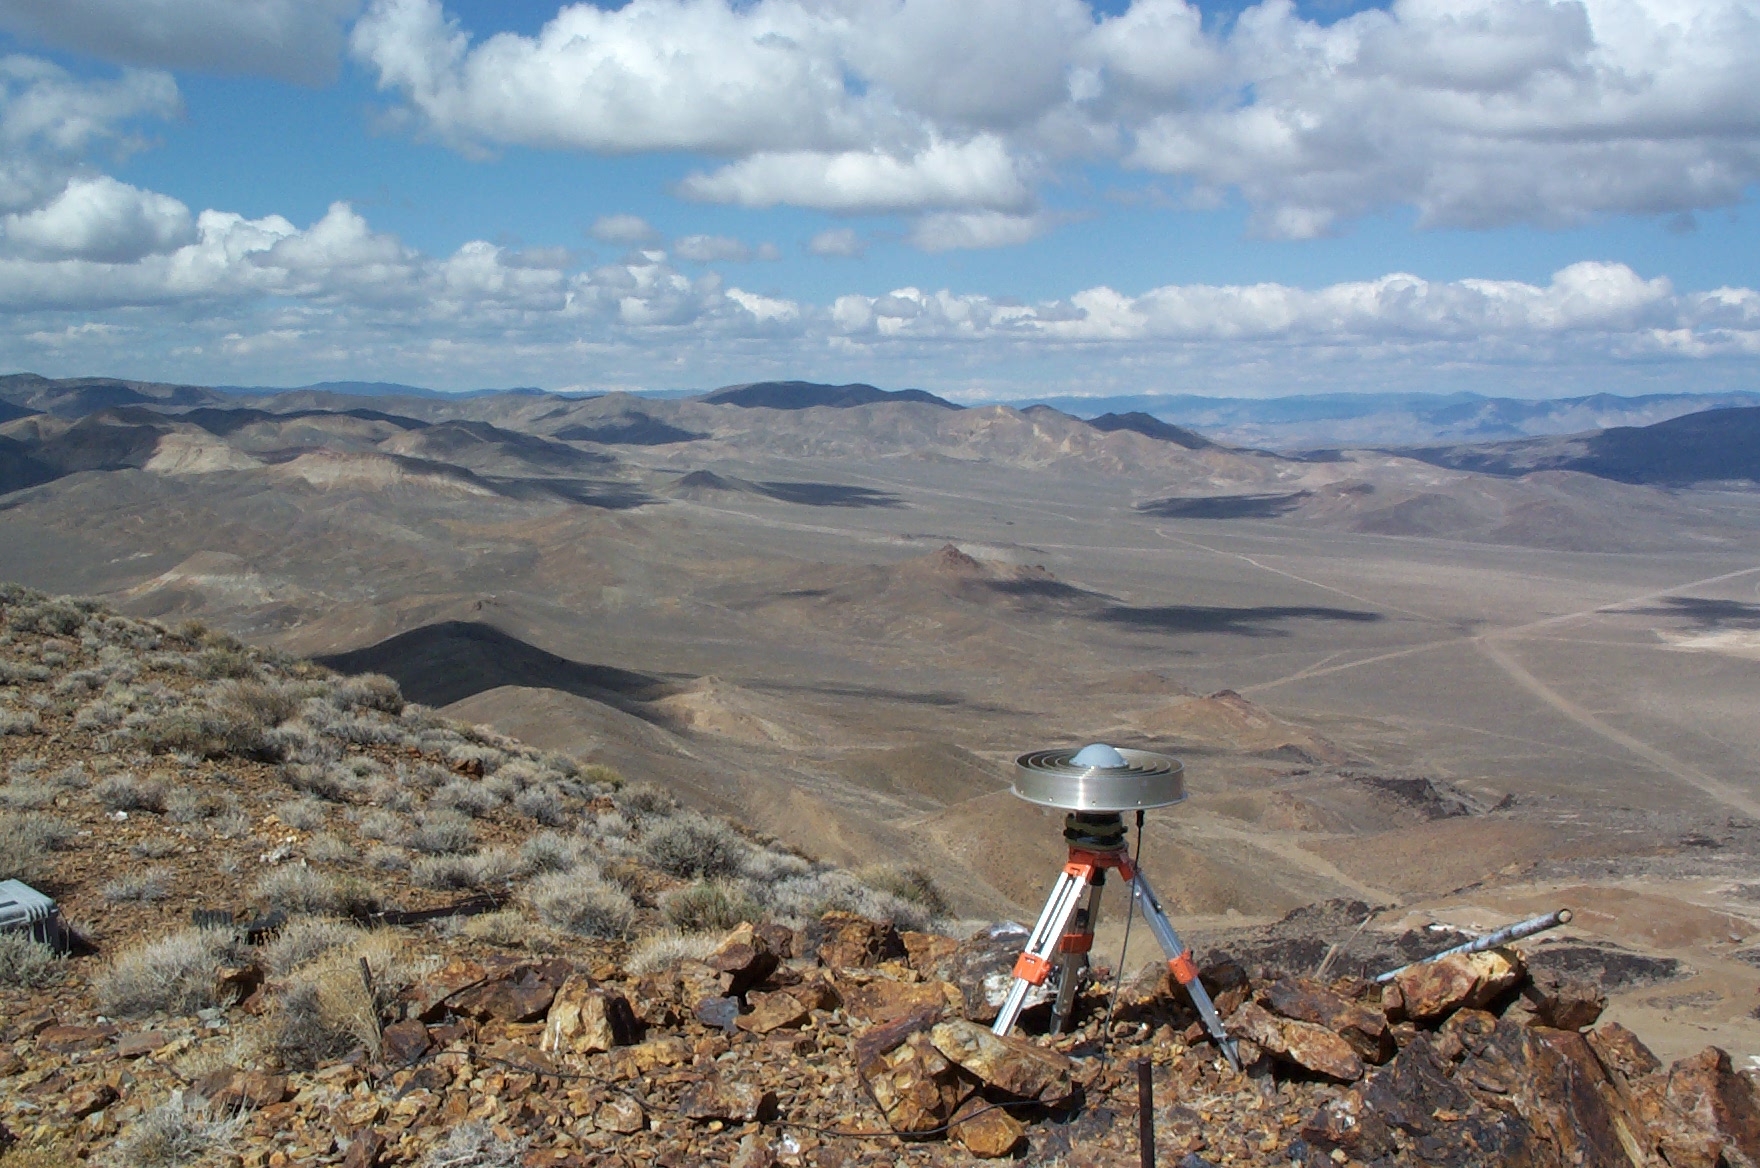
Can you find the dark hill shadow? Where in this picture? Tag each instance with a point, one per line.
(447, 662)
(1252, 621)
(586, 492)
(630, 430)
(1150, 427)
(829, 495)
(1224, 506)
(804, 395)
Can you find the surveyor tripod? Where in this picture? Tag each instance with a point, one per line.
(1065, 933)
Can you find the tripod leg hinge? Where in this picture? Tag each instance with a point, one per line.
(1076, 943)
(1185, 970)
(1032, 970)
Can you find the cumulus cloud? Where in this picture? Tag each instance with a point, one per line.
(1475, 112)
(295, 40)
(100, 219)
(837, 241)
(976, 173)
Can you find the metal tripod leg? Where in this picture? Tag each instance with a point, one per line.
(1075, 946)
(1179, 960)
(1034, 964)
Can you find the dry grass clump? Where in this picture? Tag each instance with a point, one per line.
(24, 963)
(474, 799)
(543, 803)
(26, 843)
(23, 795)
(141, 887)
(380, 825)
(265, 704)
(665, 950)
(186, 806)
(445, 873)
(325, 1009)
(504, 928)
(174, 974)
(369, 691)
(640, 802)
(301, 814)
(179, 1131)
(442, 832)
(548, 852)
(385, 858)
(296, 890)
(582, 903)
(207, 733)
(125, 792)
(476, 1145)
(691, 846)
(18, 722)
(155, 847)
(305, 940)
(907, 882)
(709, 906)
(807, 898)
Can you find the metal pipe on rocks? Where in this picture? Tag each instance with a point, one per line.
(1502, 936)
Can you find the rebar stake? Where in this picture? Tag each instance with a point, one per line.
(1146, 1112)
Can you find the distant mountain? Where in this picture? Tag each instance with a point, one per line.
(9, 411)
(801, 395)
(75, 397)
(1712, 446)
(1302, 421)
(371, 389)
(1151, 427)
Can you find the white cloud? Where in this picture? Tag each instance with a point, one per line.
(625, 229)
(976, 173)
(1474, 112)
(703, 249)
(953, 230)
(295, 40)
(100, 219)
(50, 121)
(837, 241)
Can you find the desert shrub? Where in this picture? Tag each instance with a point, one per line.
(142, 887)
(225, 661)
(442, 832)
(709, 905)
(18, 722)
(811, 897)
(326, 781)
(207, 733)
(24, 963)
(18, 672)
(71, 777)
(26, 842)
(125, 792)
(690, 846)
(380, 825)
(474, 799)
(369, 691)
(424, 776)
(444, 872)
(365, 731)
(230, 824)
(302, 890)
(609, 829)
(548, 852)
(640, 802)
(155, 847)
(325, 848)
(486, 759)
(768, 867)
(544, 804)
(79, 682)
(387, 794)
(664, 950)
(581, 903)
(177, 1132)
(306, 939)
(98, 714)
(55, 618)
(301, 814)
(505, 928)
(497, 866)
(907, 882)
(174, 974)
(26, 796)
(476, 1145)
(189, 806)
(385, 858)
(267, 705)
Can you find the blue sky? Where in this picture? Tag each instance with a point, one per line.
(989, 199)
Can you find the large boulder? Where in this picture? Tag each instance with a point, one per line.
(1305, 1044)
(1012, 1065)
(585, 1019)
(1363, 1027)
(1432, 990)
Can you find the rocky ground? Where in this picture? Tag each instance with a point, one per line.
(317, 925)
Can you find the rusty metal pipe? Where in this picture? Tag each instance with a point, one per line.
(1502, 936)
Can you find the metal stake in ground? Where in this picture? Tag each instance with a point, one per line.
(1146, 1112)
(1095, 784)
